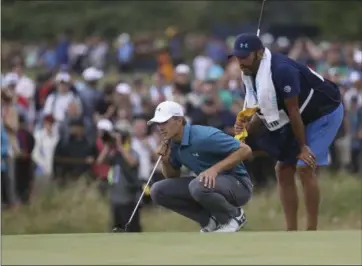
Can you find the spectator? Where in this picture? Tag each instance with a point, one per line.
(90, 93)
(355, 91)
(10, 118)
(74, 153)
(5, 182)
(24, 167)
(201, 65)
(212, 111)
(125, 53)
(123, 180)
(57, 102)
(25, 92)
(355, 118)
(139, 93)
(46, 139)
(101, 168)
(97, 52)
(74, 112)
(160, 91)
(105, 108)
(144, 146)
(182, 79)
(124, 105)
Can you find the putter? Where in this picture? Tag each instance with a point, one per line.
(143, 192)
(260, 17)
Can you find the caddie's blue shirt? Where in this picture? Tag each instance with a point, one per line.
(202, 147)
(291, 78)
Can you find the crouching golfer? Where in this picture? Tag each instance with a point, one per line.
(214, 198)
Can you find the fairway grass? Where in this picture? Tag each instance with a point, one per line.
(322, 247)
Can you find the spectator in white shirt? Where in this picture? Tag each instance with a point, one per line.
(145, 147)
(57, 102)
(201, 65)
(46, 140)
(25, 91)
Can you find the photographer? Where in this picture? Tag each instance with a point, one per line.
(124, 185)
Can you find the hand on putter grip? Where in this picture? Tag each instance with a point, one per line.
(307, 156)
(208, 177)
(164, 150)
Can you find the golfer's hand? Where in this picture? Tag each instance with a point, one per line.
(307, 156)
(164, 150)
(208, 177)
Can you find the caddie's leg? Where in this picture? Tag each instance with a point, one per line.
(288, 193)
(173, 194)
(311, 193)
(319, 136)
(223, 201)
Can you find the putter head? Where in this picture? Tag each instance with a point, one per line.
(119, 230)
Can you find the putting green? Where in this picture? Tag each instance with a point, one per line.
(323, 247)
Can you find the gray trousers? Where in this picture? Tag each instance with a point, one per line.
(189, 197)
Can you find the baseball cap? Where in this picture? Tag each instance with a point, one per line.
(123, 88)
(245, 44)
(92, 74)
(105, 124)
(183, 69)
(165, 111)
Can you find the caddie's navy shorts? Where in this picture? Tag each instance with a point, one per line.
(283, 146)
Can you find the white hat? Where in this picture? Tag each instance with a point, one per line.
(283, 42)
(357, 56)
(123, 88)
(92, 74)
(11, 79)
(105, 124)
(182, 69)
(62, 77)
(166, 110)
(354, 76)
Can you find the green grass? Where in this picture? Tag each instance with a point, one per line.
(323, 247)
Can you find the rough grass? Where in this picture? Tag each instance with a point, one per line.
(80, 210)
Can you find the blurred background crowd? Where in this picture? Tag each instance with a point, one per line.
(76, 107)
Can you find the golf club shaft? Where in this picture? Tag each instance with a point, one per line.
(260, 17)
(144, 190)
(257, 32)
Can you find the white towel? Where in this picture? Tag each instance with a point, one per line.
(265, 97)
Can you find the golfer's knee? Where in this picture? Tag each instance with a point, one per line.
(285, 173)
(197, 189)
(158, 193)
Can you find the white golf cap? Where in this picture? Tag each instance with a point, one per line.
(62, 77)
(105, 124)
(92, 74)
(166, 110)
(123, 88)
(182, 69)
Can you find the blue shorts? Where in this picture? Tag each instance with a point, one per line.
(282, 145)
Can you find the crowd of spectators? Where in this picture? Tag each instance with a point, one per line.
(84, 113)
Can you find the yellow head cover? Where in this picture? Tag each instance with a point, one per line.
(243, 117)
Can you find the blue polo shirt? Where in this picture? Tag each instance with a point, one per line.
(202, 147)
(291, 79)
